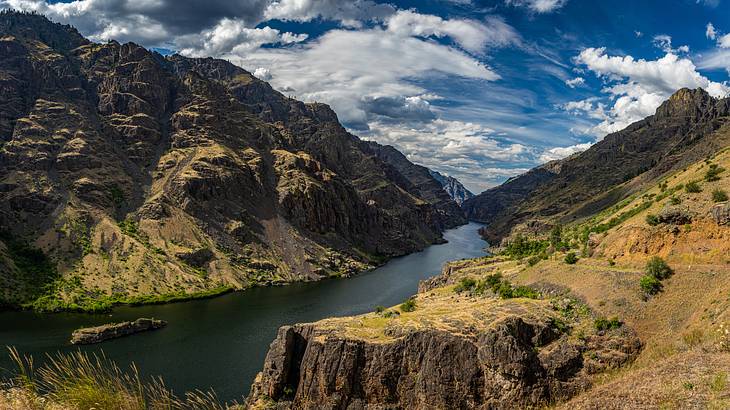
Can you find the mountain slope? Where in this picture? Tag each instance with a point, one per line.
(685, 128)
(453, 187)
(139, 175)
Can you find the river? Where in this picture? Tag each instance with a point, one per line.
(221, 343)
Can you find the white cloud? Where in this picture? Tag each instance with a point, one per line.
(637, 87)
(539, 6)
(664, 42)
(232, 36)
(349, 13)
(460, 149)
(345, 67)
(553, 154)
(710, 31)
(575, 82)
(471, 35)
(724, 41)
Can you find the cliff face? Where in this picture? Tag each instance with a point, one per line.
(683, 131)
(138, 174)
(453, 187)
(452, 351)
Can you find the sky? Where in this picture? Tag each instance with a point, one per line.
(479, 90)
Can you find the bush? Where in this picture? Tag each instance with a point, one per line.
(650, 285)
(652, 220)
(692, 187)
(719, 195)
(379, 309)
(713, 174)
(465, 285)
(525, 292)
(657, 268)
(521, 247)
(607, 324)
(533, 260)
(570, 258)
(675, 201)
(409, 305)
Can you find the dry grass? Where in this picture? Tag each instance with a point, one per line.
(79, 381)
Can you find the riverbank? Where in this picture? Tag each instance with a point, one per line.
(240, 325)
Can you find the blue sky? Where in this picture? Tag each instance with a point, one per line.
(481, 90)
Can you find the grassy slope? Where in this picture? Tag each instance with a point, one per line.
(681, 365)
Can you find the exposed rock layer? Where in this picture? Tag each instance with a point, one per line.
(141, 174)
(98, 334)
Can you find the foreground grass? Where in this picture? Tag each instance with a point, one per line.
(79, 381)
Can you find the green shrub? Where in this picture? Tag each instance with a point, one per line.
(650, 285)
(533, 260)
(607, 324)
(409, 305)
(379, 309)
(692, 187)
(713, 174)
(719, 195)
(675, 201)
(657, 268)
(652, 220)
(521, 247)
(465, 285)
(525, 292)
(570, 258)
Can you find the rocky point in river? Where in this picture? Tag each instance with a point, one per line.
(126, 175)
(98, 334)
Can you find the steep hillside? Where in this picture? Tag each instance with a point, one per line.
(627, 330)
(453, 187)
(686, 128)
(129, 176)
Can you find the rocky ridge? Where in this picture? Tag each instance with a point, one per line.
(453, 187)
(126, 174)
(686, 128)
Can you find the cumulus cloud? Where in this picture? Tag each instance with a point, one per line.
(553, 154)
(232, 36)
(538, 6)
(462, 149)
(470, 34)
(575, 82)
(637, 87)
(349, 13)
(357, 71)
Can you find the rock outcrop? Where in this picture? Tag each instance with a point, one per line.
(138, 174)
(98, 334)
(482, 355)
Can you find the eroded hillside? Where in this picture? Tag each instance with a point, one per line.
(131, 177)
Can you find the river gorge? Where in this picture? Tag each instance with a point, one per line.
(221, 343)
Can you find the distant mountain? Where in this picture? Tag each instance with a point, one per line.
(143, 176)
(453, 187)
(686, 128)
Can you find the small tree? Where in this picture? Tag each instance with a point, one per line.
(408, 306)
(657, 268)
(570, 258)
(650, 285)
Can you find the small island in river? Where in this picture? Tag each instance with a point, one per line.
(101, 333)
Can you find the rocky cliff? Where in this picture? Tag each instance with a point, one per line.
(125, 173)
(453, 187)
(453, 350)
(686, 128)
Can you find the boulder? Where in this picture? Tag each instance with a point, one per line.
(721, 213)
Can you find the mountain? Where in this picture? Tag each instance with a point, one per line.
(687, 127)
(126, 176)
(453, 187)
